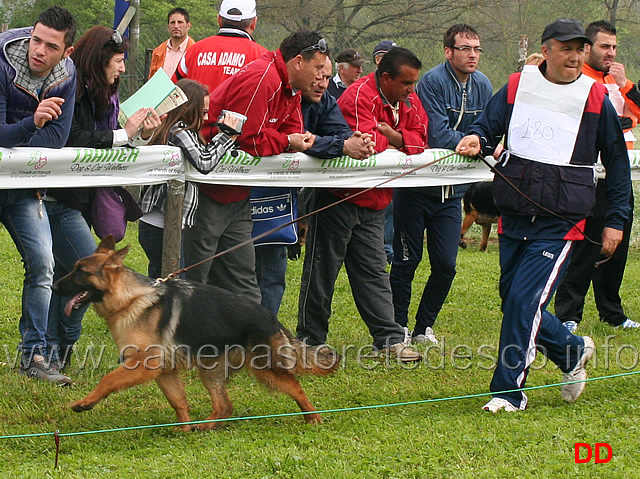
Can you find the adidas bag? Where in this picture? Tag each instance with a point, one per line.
(273, 207)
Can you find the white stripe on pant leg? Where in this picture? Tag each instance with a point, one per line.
(531, 352)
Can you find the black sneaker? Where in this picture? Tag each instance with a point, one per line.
(37, 369)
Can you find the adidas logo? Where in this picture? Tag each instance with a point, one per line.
(281, 207)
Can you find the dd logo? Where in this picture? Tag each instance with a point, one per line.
(598, 446)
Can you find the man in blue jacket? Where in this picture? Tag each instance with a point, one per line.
(453, 94)
(37, 94)
(556, 122)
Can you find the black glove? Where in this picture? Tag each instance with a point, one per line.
(634, 94)
(626, 122)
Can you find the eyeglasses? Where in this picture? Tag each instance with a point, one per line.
(321, 46)
(116, 39)
(467, 49)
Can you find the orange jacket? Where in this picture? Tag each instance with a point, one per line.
(160, 53)
(631, 110)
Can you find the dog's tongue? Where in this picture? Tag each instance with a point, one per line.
(68, 309)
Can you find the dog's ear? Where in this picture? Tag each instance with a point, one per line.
(121, 253)
(107, 244)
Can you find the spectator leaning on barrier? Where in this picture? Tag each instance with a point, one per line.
(384, 106)
(181, 128)
(267, 92)
(600, 65)
(333, 138)
(555, 122)
(167, 55)
(37, 85)
(214, 59)
(453, 94)
(349, 64)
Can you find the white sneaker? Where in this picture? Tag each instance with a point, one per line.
(496, 404)
(427, 336)
(572, 391)
(407, 336)
(572, 326)
(629, 324)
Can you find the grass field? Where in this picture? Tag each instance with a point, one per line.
(451, 438)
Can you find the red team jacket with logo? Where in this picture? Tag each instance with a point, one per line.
(212, 61)
(262, 93)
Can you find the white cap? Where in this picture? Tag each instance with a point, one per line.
(247, 9)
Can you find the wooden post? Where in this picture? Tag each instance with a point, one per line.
(172, 237)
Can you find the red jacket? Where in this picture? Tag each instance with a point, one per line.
(363, 106)
(213, 60)
(262, 93)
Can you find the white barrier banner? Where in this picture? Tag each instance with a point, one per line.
(299, 169)
(76, 167)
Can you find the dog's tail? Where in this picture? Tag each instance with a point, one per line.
(292, 355)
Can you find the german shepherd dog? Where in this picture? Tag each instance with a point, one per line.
(163, 327)
(479, 207)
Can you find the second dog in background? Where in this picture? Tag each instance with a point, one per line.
(479, 208)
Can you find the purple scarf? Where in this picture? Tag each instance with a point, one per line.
(108, 119)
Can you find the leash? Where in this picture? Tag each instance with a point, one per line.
(267, 233)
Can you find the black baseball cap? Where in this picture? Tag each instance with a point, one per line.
(351, 55)
(565, 29)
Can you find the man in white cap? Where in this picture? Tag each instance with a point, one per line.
(214, 59)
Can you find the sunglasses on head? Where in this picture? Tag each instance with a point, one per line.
(116, 39)
(321, 46)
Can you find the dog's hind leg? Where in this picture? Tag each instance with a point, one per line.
(287, 383)
(466, 224)
(173, 389)
(216, 383)
(137, 369)
(486, 231)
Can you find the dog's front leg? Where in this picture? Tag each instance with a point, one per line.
(137, 369)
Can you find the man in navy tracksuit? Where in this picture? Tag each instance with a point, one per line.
(555, 122)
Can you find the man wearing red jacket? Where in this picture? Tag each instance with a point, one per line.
(267, 92)
(384, 105)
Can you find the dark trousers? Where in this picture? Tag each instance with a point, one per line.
(582, 272)
(529, 271)
(352, 235)
(414, 212)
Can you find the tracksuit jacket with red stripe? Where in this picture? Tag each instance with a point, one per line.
(364, 106)
(262, 93)
(562, 189)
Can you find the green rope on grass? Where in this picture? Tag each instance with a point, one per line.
(326, 411)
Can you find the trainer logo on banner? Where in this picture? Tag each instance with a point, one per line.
(37, 160)
(172, 157)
